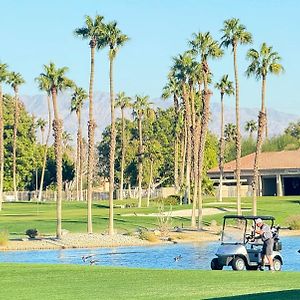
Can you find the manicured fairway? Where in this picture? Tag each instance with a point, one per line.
(85, 282)
(17, 217)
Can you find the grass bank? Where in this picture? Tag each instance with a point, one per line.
(84, 282)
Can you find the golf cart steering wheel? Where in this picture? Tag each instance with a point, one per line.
(249, 237)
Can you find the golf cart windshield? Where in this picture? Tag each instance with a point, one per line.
(234, 231)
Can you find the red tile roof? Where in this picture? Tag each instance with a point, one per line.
(268, 161)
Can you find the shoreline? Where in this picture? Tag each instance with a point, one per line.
(98, 240)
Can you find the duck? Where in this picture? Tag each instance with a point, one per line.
(177, 258)
(93, 262)
(86, 257)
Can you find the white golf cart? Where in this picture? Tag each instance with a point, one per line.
(240, 248)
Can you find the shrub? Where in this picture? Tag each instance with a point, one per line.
(148, 236)
(293, 222)
(3, 237)
(171, 200)
(32, 233)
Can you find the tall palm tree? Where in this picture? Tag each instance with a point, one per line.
(235, 33)
(172, 88)
(44, 85)
(114, 39)
(225, 86)
(123, 102)
(140, 108)
(206, 48)
(58, 82)
(3, 78)
(78, 97)
(182, 68)
(15, 80)
(262, 62)
(41, 124)
(92, 30)
(250, 127)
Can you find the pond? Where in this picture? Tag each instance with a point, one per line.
(193, 256)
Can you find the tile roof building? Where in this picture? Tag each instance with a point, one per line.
(279, 174)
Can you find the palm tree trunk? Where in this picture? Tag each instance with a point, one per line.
(57, 127)
(16, 120)
(196, 137)
(204, 129)
(140, 161)
(261, 127)
(112, 150)
(238, 133)
(150, 183)
(123, 154)
(183, 156)
(80, 173)
(189, 146)
(46, 149)
(222, 150)
(91, 141)
(1, 148)
(77, 168)
(176, 175)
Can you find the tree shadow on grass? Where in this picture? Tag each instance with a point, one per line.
(279, 295)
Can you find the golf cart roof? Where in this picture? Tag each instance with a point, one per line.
(249, 217)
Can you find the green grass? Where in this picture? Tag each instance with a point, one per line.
(84, 282)
(18, 217)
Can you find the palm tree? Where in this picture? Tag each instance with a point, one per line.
(66, 139)
(15, 80)
(235, 33)
(78, 97)
(250, 127)
(114, 39)
(262, 62)
(44, 85)
(206, 48)
(225, 86)
(230, 132)
(3, 78)
(92, 31)
(140, 108)
(123, 102)
(41, 123)
(172, 88)
(182, 68)
(58, 82)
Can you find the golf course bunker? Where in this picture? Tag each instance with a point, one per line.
(177, 256)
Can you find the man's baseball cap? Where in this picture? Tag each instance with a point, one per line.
(258, 220)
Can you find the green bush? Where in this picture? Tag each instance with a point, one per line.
(32, 233)
(293, 222)
(3, 237)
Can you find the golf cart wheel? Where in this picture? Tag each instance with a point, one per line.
(277, 264)
(238, 264)
(215, 264)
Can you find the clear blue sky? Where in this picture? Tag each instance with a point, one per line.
(35, 32)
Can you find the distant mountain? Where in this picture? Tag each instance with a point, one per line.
(37, 105)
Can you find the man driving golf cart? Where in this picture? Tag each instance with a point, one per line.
(241, 248)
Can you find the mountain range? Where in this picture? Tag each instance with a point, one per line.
(37, 105)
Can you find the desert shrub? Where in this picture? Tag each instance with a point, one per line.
(3, 237)
(293, 222)
(32, 233)
(164, 220)
(148, 236)
(171, 200)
